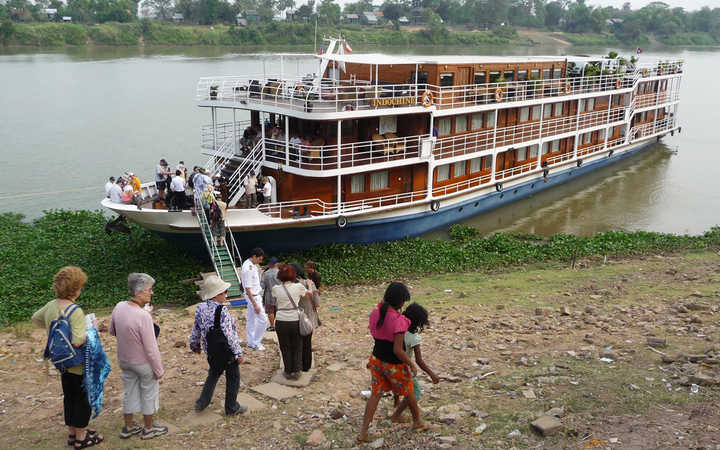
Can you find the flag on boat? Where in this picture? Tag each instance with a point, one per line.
(322, 50)
(347, 47)
(639, 50)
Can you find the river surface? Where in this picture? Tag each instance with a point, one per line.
(71, 118)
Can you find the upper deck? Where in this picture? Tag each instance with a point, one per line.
(353, 86)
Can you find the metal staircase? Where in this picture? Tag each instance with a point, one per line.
(251, 162)
(222, 256)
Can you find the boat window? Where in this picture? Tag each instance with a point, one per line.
(524, 114)
(443, 172)
(555, 146)
(459, 169)
(546, 74)
(379, 180)
(494, 76)
(422, 77)
(581, 105)
(521, 154)
(641, 88)
(558, 109)
(522, 75)
(480, 77)
(546, 148)
(357, 183)
(460, 124)
(590, 104)
(347, 128)
(601, 134)
(547, 112)
(487, 162)
(447, 79)
(477, 121)
(443, 126)
(557, 73)
(475, 165)
(587, 138)
(533, 151)
(490, 119)
(536, 112)
(509, 75)
(535, 74)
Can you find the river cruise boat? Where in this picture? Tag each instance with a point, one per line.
(376, 147)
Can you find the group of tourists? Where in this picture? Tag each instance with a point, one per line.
(285, 298)
(258, 190)
(124, 189)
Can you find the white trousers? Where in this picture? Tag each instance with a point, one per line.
(256, 323)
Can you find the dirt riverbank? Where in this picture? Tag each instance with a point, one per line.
(509, 346)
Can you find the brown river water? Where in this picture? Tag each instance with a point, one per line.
(70, 118)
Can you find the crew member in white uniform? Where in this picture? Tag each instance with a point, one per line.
(256, 318)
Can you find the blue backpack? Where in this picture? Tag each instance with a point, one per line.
(59, 348)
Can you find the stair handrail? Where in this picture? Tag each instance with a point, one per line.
(251, 162)
(202, 220)
(212, 165)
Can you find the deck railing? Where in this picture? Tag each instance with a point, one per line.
(592, 149)
(311, 94)
(649, 129)
(462, 185)
(211, 136)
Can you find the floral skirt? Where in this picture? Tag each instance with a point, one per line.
(390, 377)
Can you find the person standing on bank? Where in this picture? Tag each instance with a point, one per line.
(223, 355)
(139, 358)
(256, 317)
(267, 282)
(68, 284)
(309, 305)
(287, 322)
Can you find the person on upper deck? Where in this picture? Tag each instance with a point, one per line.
(251, 190)
(267, 190)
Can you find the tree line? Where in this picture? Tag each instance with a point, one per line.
(657, 18)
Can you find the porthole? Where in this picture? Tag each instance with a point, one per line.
(460, 209)
(532, 186)
(515, 192)
(476, 204)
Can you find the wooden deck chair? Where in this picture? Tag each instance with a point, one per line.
(396, 147)
(381, 143)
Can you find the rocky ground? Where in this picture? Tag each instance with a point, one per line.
(610, 354)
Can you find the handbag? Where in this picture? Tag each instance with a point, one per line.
(306, 327)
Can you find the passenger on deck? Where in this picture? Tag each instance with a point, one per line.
(207, 198)
(201, 181)
(161, 173)
(177, 187)
(191, 180)
(251, 190)
(267, 190)
(183, 170)
(108, 186)
(127, 196)
(134, 181)
(116, 193)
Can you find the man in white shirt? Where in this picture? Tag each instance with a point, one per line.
(116, 193)
(256, 318)
(109, 185)
(177, 188)
(267, 191)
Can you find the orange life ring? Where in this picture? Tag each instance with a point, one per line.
(498, 95)
(428, 99)
(567, 87)
(618, 84)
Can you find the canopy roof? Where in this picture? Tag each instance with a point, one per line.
(383, 59)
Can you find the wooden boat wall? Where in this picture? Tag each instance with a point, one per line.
(393, 147)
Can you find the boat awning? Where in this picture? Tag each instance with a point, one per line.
(369, 58)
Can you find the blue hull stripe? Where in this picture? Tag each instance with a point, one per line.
(392, 228)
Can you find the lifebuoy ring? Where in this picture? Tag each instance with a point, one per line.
(428, 99)
(435, 205)
(341, 222)
(568, 88)
(618, 84)
(579, 162)
(498, 187)
(498, 95)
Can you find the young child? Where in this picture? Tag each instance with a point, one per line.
(390, 367)
(418, 317)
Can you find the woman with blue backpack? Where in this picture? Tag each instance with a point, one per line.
(65, 322)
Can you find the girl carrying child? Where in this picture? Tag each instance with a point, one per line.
(390, 367)
(418, 317)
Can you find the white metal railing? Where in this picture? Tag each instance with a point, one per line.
(592, 149)
(352, 154)
(512, 171)
(652, 128)
(656, 98)
(251, 161)
(462, 185)
(210, 136)
(219, 159)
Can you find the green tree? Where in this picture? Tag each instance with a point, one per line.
(554, 12)
(164, 8)
(7, 31)
(358, 7)
(329, 12)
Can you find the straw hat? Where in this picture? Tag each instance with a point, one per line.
(212, 286)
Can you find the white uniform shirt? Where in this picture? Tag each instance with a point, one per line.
(267, 191)
(108, 186)
(177, 184)
(250, 278)
(116, 194)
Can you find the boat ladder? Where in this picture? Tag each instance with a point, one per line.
(223, 256)
(251, 162)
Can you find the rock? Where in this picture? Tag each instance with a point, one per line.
(682, 309)
(480, 428)
(462, 294)
(543, 311)
(695, 319)
(703, 380)
(694, 358)
(447, 439)
(656, 342)
(377, 443)
(529, 394)
(448, 419)
(180, 344)
(479, 413)
(547, 425)
(565, 311)
(668, 359)
(316, 438)
(514, 433)
(499, 306)
(102, 327)
(595, 297)
(275, 391)
(696, 294)
(336, 367)
(555, 412)
(336, 414)
(609, 354)
(697, 306)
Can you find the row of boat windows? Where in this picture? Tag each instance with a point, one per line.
(495, 76)
(378, 182)
(460, 168)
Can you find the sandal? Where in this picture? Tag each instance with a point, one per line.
(71, 437)
(91, 439)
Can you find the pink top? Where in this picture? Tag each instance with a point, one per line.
(136, 343)
(394, 323)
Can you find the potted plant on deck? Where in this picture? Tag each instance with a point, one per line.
(213, 92)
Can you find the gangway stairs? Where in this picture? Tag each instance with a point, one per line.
(222, 256)
(252, 162)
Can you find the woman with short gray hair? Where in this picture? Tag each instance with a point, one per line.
(139, 358)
